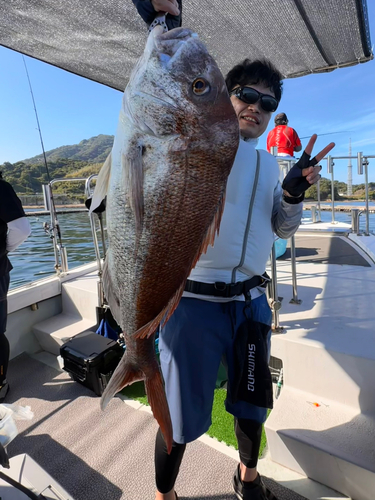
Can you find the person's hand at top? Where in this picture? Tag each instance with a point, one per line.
(170, 6)
(305, 172)
(149, 9)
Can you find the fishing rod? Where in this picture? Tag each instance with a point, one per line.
(55, 225)
(329, 133)
(37, 119)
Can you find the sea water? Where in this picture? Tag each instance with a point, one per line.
(35, 258)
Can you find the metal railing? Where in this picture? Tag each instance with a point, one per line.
(275, 302)
(53, 229)
(355, 220)
(318, 201)
(285, 164)
(362, 166)
(89, 192)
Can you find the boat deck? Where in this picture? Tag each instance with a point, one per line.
(97, 455)
(326, 249)
(321, 423)
(106, 455)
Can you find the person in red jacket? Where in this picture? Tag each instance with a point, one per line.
(283, 137)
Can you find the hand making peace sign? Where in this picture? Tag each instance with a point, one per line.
(305, 172)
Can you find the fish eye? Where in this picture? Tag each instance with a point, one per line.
(200, 86)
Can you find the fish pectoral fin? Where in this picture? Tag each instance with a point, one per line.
(125, 374)
(102, 184)
(109, 292)
(132, 164)
(151, 327)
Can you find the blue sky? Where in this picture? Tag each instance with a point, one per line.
(71, 108)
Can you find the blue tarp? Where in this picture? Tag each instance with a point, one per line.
(105, 330)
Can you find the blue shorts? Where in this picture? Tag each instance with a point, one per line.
(199, 335)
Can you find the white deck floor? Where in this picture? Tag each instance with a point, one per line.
(109, 455)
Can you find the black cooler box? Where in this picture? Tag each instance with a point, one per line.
(91, 359)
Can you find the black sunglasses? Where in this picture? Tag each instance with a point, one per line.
(251, 96)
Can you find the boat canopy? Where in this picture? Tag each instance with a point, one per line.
(102, 39)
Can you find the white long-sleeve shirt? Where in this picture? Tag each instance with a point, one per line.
(247, 228)
(18, 232)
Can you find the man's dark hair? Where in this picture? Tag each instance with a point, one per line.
(253, 72)
(281, 119)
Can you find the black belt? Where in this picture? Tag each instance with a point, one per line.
(221, 289)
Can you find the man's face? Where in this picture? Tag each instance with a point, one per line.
(252, 118)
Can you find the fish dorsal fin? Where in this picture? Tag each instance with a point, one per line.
(212, 231)
(102, 183)
(132, 164)
(109, 292)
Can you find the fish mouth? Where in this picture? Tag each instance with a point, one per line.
(169, 44)
(158, 36)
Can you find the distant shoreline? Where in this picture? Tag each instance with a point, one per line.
(41, 207)
(38, 210)
(340, 206)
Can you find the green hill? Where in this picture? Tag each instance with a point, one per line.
(94, 150)
(77, 160)
(340, 191)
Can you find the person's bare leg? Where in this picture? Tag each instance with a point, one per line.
(171, 495)
(247, 474)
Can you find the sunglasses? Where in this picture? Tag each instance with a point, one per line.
(251, 96)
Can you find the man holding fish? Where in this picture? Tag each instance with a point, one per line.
(184, 159)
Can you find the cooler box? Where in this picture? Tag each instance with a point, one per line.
(91, 359)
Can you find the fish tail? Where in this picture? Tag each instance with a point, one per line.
(125, 374)
(128, 372)
(159, 406)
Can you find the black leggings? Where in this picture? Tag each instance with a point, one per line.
(248, 433)
(4, 344)
(167, 466)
